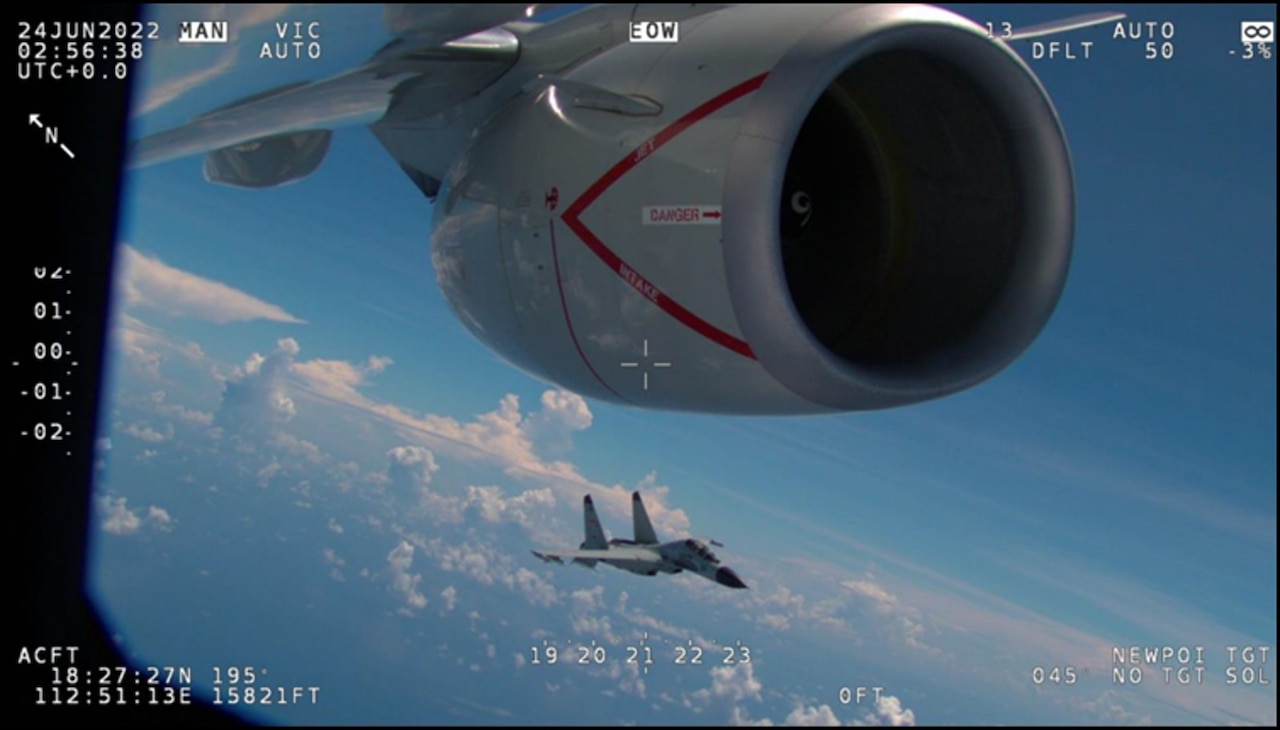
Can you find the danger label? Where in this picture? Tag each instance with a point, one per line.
(680, 215)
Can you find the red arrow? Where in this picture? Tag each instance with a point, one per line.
(711, 214)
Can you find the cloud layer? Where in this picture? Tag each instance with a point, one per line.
(149, 282)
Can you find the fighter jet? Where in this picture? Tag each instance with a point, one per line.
(643, 555)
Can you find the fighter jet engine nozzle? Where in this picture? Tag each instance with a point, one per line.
(795, 209)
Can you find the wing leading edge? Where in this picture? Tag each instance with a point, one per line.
(617, 554)
(454, 50)
(1065, 25)
(361, 96)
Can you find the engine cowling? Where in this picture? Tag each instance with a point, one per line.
(794, 209)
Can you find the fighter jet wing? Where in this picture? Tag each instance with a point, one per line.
(630, 555)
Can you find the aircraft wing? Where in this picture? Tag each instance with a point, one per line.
(630, 555)
(455, 50)
(449, 51)
(446, 21)
(361, 96)
(1075, 22)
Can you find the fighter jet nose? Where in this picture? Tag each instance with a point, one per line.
(726, 577)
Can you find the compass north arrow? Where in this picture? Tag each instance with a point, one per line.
(52, 135)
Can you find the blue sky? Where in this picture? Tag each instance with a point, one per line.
(309, 465)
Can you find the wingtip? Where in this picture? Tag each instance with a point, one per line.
(635, 496)
(587, 499)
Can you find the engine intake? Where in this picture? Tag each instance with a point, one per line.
(898, 211)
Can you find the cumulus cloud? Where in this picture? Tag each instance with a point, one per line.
(254, 397)
(648, 623)
(266, 473)
(137, 341)
(410, 469)
(906, 619)
(856, 608)
(403, 583)
(523, 509)
(741, 718)
(783, 608)
(586, 615)
(158, 402)
(737, 682)
(118, 519)
(809, 716)
(775, 621)
(295, 446)
(345, 474)
(1110, 707)
(144, 432)
(627, 675)
(563, 413)
(734, 682)
(882, 599)
(144, 347)
(148, 282)
(450, 596)
(337, 379)
(335, 562)
(486, 564)
(888, 712)
(536, 590)
(159, 518)
(587, 599)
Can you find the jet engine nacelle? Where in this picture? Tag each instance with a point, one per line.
(793, 209)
